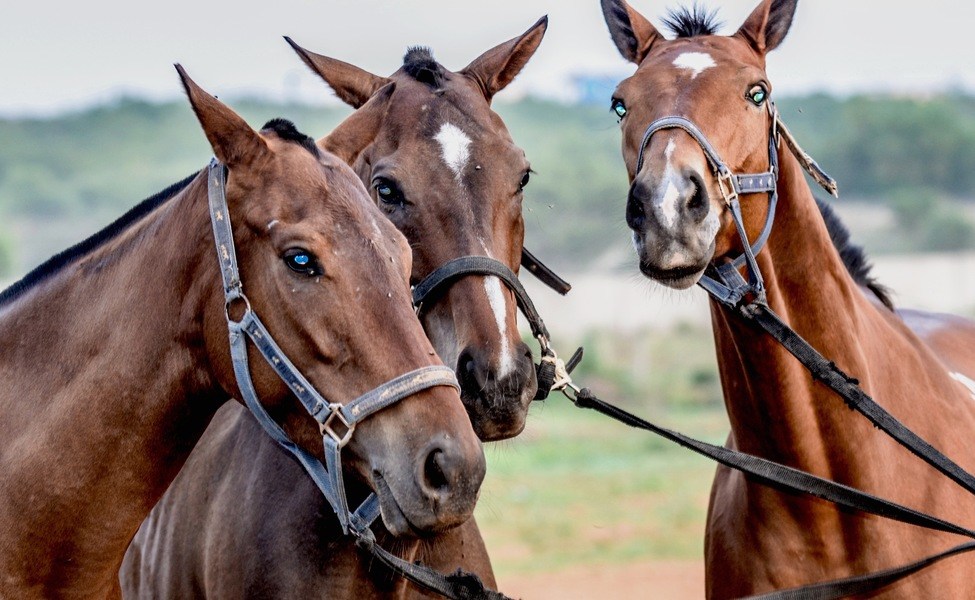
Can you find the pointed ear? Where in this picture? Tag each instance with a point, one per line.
(632, 33)
(233, 141)
(499, 66)
(353, 135)
(352, 85)
(768, 24)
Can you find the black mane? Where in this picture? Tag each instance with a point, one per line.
(686, 22)
(420, 65)
(854, 258)
(60, 260)
(286, 130)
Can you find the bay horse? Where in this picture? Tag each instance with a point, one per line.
(242, 519)
(919, 366)
(116, 355)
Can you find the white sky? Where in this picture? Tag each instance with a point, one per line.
(62, 55)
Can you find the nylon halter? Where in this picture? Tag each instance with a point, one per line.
(336, 421)
(724, 282)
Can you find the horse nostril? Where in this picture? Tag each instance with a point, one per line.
(698, 201)
(433, 471)
(467, 372)
(636, 216)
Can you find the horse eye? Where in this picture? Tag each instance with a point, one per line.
(618, 108)
(387, 192)
(757, 95)
(525, 180)
(301, 261)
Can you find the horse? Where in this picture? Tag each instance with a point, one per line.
(242, 519)
(132, 326)
(919, 366)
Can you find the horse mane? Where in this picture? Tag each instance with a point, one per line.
(686, 22)
(854, 257)
(53, 265)
(287, 131)
(419, 64)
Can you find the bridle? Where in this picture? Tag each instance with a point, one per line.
(433, 285)
(724, 281)
(336, 421)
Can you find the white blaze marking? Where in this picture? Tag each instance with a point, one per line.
(454, 147)
(492, 285)
(698, 62)
(965, 381)
(671, 198)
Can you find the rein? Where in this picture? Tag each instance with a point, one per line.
(747, 298)
(336, 421)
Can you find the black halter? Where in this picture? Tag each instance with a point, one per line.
(445, 275)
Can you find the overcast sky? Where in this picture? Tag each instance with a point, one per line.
(64, 55)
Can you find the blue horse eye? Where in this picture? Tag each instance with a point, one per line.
(384, 190)
(302, 259)
(758, 95)
(619, 108)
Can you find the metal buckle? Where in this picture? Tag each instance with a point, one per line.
(726, 186)
(335, 411)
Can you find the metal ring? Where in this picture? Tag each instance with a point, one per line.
(326, 426)
(232, 298)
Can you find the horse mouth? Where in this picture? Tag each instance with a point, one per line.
(680, 278)
(394, 517)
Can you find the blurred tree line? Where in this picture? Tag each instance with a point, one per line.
(66, 176)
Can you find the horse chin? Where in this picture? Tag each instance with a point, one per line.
(499, 418)
(680, 278)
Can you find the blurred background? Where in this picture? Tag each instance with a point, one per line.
(882, 95)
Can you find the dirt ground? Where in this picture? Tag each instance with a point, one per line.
(665, 580)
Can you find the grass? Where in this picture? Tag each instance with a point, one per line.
(577, 487)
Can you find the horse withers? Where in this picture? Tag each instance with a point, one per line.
(700, 89)
(116, 356)
(243, 519)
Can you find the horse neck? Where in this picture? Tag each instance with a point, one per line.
(105, 390)
(776, 410)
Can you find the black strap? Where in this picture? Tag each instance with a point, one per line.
(849, 389)
(480, 265)
(459, 585)
(789, 479)
(543, 273)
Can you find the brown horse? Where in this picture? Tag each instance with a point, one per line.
(136, 356)
(918, 366)
(238, 493)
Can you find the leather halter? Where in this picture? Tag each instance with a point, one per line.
(724, 282)
(329, 415)
(445, 275)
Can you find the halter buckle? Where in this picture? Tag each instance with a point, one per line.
(335, 412)
(726, 185)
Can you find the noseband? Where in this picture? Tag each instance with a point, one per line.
(336, 421)
(444, 276)
(724, 282)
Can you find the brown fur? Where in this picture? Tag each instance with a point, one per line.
(242, 519)
(758, 539)
(114, 365)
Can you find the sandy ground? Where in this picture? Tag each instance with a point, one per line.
(670, 580)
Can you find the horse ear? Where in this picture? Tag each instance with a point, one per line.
(353, 135)
(632, 33)
(499, 66)
(233, 141)
(352, 85)
(768, 24)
